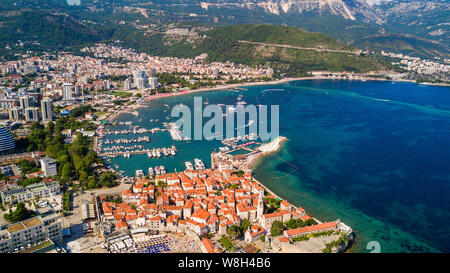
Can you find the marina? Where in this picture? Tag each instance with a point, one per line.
(156, 152)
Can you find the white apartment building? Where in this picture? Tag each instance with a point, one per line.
(25, 102)
(32, 114)
(32, 231)
(153, 82)
(67, 91)
(48, 165)
(30, 192)
(14, 114)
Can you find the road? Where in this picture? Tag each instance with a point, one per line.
(302, 48)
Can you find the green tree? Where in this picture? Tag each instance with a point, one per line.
(234, 231)
(108, 179)
(91, 184)
(245, 224)
(263, 238)
(226, 243)
(277, 228)
(66, 171)
(21, 213)
(28, 166)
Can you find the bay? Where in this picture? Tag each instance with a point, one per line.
(374, 154)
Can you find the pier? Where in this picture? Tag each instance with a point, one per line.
(155, 152)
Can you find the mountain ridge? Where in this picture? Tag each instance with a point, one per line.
(366, 20)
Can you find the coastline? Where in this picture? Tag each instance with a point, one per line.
(220, 87)
(238, 85)
(360, 242)
(263, 156)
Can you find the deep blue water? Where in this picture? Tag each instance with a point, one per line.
(375, 154)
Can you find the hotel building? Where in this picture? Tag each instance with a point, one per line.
(25, 234)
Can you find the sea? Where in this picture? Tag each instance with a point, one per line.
(374, 154)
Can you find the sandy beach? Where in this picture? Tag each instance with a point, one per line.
(221, 87)
(240, 85)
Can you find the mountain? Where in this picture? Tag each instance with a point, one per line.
(289, 50)
(353, 21)
(426, 19)
(403, 26)
(406, 44)
(348, 9)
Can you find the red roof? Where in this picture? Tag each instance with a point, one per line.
(318, 227)
(208, 244)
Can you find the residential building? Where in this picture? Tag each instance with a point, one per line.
(14, 114)
(32, 114)
(46, 107)
(25, 102)
(253, 233)
(6, 140)
(67, 91)
(153, 82)
(139, 79)
(22, 235)
(127, 84)
(48, 165)
(30, 192)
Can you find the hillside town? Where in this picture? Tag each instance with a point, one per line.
(421, 70)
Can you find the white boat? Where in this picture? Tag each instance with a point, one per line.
(150, 171)
(162, 169)
(157, 170)
(188, 165)
(199, 164)
(139, 173)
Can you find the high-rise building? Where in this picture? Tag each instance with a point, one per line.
(32, 114)
(14, 114)
(140, 83)
(139, 74)
(25, 102)
(46, 108)
(127, 84)
(153, 82)
(140, 78)
(6, 140)
(77, 89)
(67, 91)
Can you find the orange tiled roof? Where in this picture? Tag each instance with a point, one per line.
(310, 228)
(208, 244)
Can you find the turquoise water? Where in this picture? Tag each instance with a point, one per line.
(375, 154)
